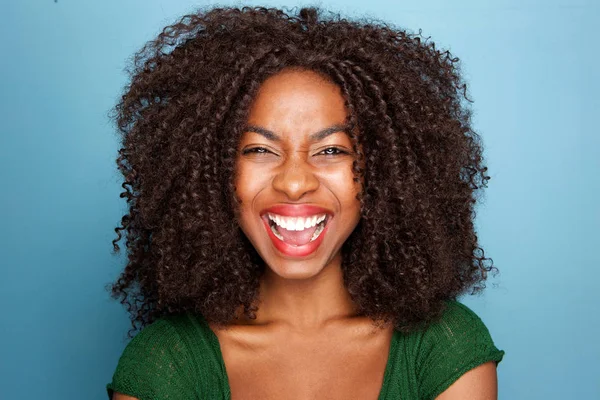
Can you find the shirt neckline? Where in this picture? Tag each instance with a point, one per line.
(386, 375)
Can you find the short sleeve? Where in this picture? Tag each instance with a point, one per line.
(456, 343)
(153, 365)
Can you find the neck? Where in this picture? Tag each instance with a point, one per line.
(305, 303)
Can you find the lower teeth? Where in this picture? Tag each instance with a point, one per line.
(277, 234)
(318, 231)
(315, 235)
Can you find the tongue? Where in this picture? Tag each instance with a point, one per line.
(297, 238)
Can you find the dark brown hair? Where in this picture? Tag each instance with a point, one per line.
(181, 118)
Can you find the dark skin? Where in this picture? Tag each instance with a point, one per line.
(302, 293)
(307, 341)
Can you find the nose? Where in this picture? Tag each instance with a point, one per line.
(295, 179)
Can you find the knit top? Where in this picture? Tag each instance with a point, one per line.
(178, 357)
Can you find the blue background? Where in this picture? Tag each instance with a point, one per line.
(532, 67)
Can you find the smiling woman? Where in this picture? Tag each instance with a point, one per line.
(303, 174)
(300, 220)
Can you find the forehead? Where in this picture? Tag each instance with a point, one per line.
(297, 100)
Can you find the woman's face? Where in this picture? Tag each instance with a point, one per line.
(294, 175)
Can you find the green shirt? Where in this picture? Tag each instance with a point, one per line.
(178, 357)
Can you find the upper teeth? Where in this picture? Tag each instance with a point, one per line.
(296, 223)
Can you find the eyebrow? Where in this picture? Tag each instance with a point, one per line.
(320, 135)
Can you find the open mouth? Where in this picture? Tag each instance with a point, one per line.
(297, 231)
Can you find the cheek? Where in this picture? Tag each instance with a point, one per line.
(345, 189)
(249, 182)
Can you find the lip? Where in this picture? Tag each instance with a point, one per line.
(295, 251)
(296, 211)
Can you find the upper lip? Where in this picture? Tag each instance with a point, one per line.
(296, 210)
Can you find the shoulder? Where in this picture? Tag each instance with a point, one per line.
(161, 339)
(159, 360)
(450, 346)
(456, 323)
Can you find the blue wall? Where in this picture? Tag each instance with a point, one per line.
(532, 67)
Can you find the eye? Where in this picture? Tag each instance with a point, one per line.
(256, 150)
(332, 151)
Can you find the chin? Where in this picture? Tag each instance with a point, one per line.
(299, 269)
(295, 270)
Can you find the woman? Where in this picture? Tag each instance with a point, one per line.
(300, 221)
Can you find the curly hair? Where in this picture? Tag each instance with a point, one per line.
(182, 115)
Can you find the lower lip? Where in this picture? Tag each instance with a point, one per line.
(295, 251)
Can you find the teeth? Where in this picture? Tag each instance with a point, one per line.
(277, 234)
(296, 223)
(311, 220)
(317, 232)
